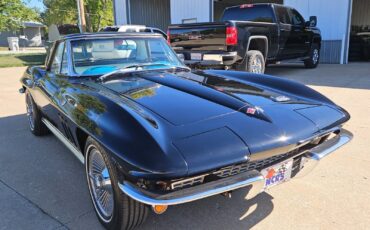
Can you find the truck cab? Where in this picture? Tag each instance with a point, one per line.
(247, 38)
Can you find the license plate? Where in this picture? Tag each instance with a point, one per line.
(196, 56)
(277, 174)
(212, 57)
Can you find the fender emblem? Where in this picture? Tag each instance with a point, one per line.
(251, 111)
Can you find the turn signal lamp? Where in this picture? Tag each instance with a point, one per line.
(159, 209)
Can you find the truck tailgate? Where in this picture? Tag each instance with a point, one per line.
(198, 36)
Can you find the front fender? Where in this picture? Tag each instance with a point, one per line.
(137, 139)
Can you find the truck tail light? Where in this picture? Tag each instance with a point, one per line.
(168, 37)
(231, 36)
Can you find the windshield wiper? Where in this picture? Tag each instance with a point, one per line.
(137, 66)
(107, 76)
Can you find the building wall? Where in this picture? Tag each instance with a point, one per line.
(4, 37)
(190, 9)
(155, 13)
(33, 36)
(120, 12)
(333, 22)
(361, 13)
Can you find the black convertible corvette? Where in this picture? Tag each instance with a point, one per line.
(153, 133)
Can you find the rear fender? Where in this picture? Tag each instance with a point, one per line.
(259, 43)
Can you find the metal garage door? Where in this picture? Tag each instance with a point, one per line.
(155, 13)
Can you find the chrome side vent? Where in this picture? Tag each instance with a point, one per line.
(187, 182)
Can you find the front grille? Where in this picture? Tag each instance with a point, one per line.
(187, 182)
(232, 170)
(257, 165)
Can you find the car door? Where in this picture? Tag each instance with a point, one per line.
(299, 36)
(45, 87)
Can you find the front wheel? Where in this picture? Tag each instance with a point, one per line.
(254, 62)
(37, 127)
(314, 58)
(114, 209)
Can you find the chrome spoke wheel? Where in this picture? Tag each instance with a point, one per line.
(315, 56)
(30, 112)
(100, 184)
(256, 66)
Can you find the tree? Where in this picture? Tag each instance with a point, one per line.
(13, 13)
(98, 13)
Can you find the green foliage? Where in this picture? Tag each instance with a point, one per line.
(13, 13)
(98, 13)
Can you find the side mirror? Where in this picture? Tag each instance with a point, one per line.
(312, 22)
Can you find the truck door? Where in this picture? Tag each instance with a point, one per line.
(293, 37)
(299, 37)
(285, 27)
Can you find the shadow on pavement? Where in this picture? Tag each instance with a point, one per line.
(216, 212)
(352, 75)
(44, 172)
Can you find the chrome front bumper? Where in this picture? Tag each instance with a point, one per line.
(253, 179)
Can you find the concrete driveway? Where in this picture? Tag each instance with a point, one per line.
(42, 185)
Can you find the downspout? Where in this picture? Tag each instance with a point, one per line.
(348, 31)
(114, 13)
(211, 5)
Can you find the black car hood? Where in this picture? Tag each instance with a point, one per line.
(186, 97)
(219, 120)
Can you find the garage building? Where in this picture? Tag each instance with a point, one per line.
(344, 24)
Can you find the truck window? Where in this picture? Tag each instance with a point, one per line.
(283, 15)
(254, 13)
(296, 18)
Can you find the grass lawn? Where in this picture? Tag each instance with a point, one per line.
(13, 60)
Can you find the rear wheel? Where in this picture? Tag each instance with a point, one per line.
(254, 62)
(37, 127)
(314, 59)
(114, 209)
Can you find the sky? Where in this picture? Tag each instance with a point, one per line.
(35, 3)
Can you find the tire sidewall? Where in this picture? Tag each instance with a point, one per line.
(310, 62)
(253, 55)
(29, 99)
(115, 221)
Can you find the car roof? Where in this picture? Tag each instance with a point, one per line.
(108, 34)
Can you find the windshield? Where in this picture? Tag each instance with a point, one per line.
(101, 56)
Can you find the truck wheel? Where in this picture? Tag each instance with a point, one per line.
(254, 62)
(114, 209)
(37, 127)
(314, 59)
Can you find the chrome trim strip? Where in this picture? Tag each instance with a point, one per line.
(135, 194)
(64, 140)
(324, 149)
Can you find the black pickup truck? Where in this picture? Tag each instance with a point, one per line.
(248, 37)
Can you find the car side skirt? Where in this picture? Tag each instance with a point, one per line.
(64, 140)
